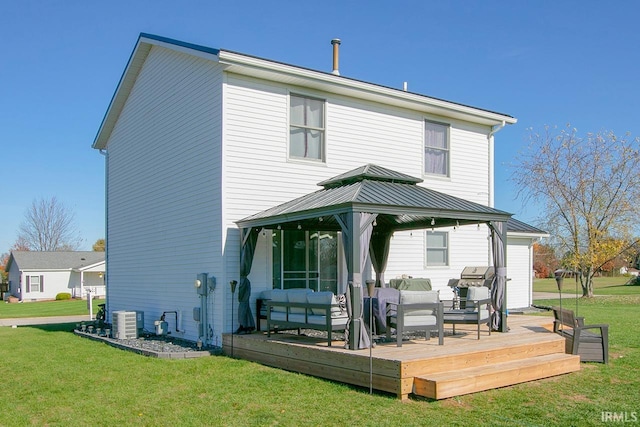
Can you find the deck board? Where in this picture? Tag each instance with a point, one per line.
(394, 369)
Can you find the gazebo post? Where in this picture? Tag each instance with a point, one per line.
(354, 275)
(499, 288)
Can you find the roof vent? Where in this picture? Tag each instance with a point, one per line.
(336, 68)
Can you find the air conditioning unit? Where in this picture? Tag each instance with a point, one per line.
(124, 325)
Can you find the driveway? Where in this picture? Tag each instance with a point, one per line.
(547, 295)
(44, 320)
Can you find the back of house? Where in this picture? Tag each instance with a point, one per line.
(197, 138)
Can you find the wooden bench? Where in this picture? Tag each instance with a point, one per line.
(590, 346)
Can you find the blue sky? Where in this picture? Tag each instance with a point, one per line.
(543, 62)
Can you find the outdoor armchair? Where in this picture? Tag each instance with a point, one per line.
(477, 311)
(416, 311)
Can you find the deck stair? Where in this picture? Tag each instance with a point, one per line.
(512, 364)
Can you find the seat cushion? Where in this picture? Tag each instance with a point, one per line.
(324, 297)
(465, 316)
(418, 297)
(279, 295)
(298, 296)
(476, 293)
(420, 320)
(278, 315)
(266, 294)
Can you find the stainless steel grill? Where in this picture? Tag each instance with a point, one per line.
(470, 276)
(476, 276)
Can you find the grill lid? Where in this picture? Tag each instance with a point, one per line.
(482, 272)
(475, 276)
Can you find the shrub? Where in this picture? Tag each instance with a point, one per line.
(63, 296)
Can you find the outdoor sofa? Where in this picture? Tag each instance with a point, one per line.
(303, 309)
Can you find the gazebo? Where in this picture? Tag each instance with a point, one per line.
(368, 204)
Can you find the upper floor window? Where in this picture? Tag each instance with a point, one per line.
(437, 248)
(306, 128)
(436, 149)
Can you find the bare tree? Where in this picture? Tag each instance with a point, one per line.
(49, 226)
(588, 188)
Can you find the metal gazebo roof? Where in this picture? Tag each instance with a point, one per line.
(394, 196)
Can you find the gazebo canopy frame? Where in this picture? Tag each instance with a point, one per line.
(368, 205)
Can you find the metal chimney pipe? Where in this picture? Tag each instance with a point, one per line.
(336, 44)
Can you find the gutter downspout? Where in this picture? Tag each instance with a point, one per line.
(494, 130)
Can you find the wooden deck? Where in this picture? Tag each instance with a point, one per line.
(529, 351)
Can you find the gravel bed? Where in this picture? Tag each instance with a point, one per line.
(159, 344)
(165, 347)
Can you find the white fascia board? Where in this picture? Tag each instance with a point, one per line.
(527, 235)
(261, 68)
(88, 267)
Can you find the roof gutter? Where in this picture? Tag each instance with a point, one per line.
(257, 67)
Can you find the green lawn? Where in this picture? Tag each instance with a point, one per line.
(46, 308)
(52, 377)
(601, 286)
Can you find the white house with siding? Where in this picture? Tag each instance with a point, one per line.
(41, 275)
(196, 139)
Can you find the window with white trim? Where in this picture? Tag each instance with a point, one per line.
(306, 128)
(436, 148)
(35, 284)
(437, 249)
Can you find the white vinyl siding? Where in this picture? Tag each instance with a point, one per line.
(258, 176)
(46, 284)
(520, 272)
(163, 190)
(469, 164)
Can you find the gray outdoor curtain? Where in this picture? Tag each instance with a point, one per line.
(379, 253)
(356, 327)
(499, 288)
(248, 249)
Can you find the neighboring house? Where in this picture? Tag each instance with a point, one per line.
(197, 139)
(629, 270)
(36, 275)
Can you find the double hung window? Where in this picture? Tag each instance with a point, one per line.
(436, 149)
(35, 284)
(437, 248)
(306, 128)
